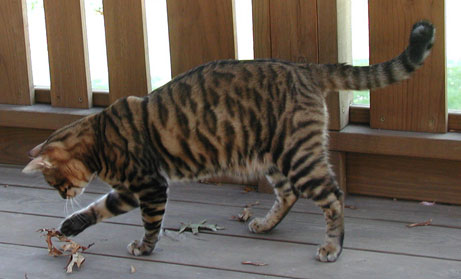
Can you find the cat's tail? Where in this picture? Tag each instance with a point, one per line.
(346, 77)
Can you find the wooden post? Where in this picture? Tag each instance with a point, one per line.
(68, 53)
(293, 26)
(335, 37)
(127, 50)
(16, 85)
(418, 104)
(200, 31)
(307, 31)
(262, 29)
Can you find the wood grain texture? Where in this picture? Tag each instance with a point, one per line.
(420, 103)
(227, 252)
(294, 30)
(359, 115)
(261, 29)
(362, 139)
(234, 196)
(100, 98)
(15, 143)
(199, 31)
(41, 116)
(334, 46)
(404, 178)
(68, 53)
(99, 266)
(454, 121)
(297, 230)
(16, 85)
(127, 50)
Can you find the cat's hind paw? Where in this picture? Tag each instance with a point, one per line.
(139, 248)
(258, 225)
(328, 252)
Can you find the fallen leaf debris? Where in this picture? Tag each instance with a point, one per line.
(71, 248)
(248, 189)
(426, 203)
(422, 224)
(254, 263)
(132, 269)
(353, 207)
(243, 216)
(196, 227)
(246, 213)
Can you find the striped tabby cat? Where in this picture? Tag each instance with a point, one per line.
(239, 117)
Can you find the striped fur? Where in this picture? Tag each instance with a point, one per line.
(262, 117)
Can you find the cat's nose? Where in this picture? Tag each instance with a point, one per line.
(63, 194)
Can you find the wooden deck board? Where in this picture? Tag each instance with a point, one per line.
(234, 195)
(226, 253)
(35, 262)
(376, 237)
(297, 227)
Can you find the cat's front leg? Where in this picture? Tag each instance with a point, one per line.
(152, 203)
(112, 204)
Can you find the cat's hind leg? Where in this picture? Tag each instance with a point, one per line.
(314, 179)
(285, 199)
(153, 200)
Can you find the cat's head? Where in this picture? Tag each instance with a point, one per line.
(61, 168)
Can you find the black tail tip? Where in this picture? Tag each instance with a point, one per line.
(422, 33)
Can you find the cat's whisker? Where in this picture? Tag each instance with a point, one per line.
(66, 210)
(77, 203)
(72, 204)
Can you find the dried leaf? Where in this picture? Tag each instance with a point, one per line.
(75, 259)
(248, 189)
(244, 216)
(53, 251)
(427, 203)
(132, 269)
(254, 263)
(70, 248)
(250, 205)
(350, 206)
(196, 227)
(426, 223)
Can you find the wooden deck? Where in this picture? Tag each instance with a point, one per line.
(378, 244)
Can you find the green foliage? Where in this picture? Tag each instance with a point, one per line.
(454, 87)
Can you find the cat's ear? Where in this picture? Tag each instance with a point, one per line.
(36, 165)
(36, 150)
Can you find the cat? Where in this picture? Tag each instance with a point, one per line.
(261, 117)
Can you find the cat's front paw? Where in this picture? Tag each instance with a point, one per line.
(139, 248)
(328, 252)
(75, 224)
(258, 225)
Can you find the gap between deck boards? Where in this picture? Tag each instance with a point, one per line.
(251, 237)
(257, 206)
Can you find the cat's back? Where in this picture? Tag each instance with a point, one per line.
(225, 112)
